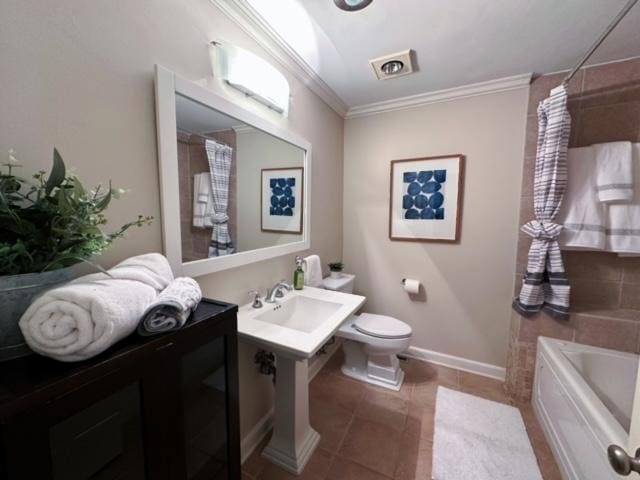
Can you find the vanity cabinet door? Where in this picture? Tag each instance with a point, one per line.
(91, 433)
(101, 442)
(204, 403)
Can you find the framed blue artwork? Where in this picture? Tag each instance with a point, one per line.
(282, 200)
(426, 199)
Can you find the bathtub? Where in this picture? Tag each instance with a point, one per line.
(583, 399)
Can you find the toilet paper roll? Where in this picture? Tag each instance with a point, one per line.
(411, 285)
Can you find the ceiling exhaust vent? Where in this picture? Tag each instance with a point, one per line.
(394, 65)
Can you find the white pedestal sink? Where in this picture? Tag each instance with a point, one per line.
(294, 329)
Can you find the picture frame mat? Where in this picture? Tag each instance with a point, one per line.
(447, 230)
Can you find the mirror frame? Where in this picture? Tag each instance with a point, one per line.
(167, 85)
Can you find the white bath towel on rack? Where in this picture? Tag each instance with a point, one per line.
(582, 214)
(202, 200)
(623, 222)
(614, 172)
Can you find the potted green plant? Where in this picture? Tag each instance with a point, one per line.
(335, 269)
(47, 225)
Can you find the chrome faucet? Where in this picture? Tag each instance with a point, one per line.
(276, 291)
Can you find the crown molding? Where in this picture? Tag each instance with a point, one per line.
(465, 91)
(250, 21)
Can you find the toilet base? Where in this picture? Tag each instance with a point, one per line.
(381, 370)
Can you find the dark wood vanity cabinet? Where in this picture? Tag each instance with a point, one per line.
(162, 407)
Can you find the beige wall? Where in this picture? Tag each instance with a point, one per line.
(257, 150)
(468, 286)
(79, 75)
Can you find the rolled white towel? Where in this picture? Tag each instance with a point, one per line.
(86, 316)
(172, 308)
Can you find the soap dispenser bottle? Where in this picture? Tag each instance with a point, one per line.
(298, 274)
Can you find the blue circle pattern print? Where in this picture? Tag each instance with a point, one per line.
(283, 199)
(423, 198)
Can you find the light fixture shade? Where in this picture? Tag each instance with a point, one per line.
(352, 5)
(253, 76)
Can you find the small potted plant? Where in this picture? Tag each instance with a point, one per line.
(335, 269)
(47, 225)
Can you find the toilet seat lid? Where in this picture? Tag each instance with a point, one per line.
(381, 326)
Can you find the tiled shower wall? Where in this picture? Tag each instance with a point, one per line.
(604, 103)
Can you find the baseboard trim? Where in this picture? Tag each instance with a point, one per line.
(260, 430)
(459, 363)
(252, 439)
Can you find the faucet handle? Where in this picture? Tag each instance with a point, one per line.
(282, 284)
(257, 301)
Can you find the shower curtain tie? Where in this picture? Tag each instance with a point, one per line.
(219, 218)
(542, 229)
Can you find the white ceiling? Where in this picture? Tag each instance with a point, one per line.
(457, 42)
(194, 117)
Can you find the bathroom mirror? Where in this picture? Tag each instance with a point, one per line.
(235, 187)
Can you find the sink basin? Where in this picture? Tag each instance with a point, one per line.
(300, 313)
(298, 324)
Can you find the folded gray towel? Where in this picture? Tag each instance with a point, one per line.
(172, 307)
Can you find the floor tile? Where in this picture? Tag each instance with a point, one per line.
(385, 407)
(255, 464)
(373, 445)
(414, 460)
(484, 387)
(420, 421)
(338, 389)
(342, 469)
(331, 421)
(422, 373)
(316, 469)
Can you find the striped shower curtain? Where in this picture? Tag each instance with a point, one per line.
(545, 286)
(220, 157)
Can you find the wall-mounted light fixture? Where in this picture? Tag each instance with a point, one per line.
(252, 75)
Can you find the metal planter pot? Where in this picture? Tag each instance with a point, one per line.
(16, 294)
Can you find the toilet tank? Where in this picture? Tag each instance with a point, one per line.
(344, 283)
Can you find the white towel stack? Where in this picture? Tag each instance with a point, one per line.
(601, 206)
(86, 316)
(582, 215)
(614, 171)
(623, 226)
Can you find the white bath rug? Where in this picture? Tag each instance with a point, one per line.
(481, 440)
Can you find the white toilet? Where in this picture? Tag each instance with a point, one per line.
(371, 342)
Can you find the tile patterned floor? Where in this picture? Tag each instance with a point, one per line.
(369, 433)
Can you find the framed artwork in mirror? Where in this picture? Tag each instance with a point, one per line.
(426, 199)
(281, 200)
